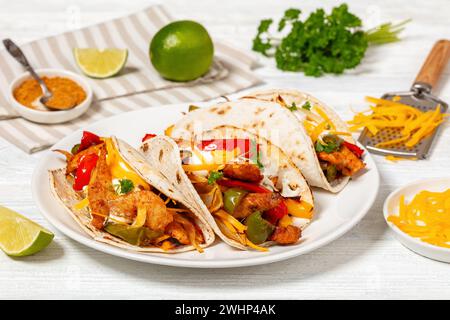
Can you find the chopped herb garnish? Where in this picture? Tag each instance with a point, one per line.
(293, 107)
(255, 153)
(331, 143)
(214, 176)
(192, 108)
(259, 163)
(124, 186)
(306, 105)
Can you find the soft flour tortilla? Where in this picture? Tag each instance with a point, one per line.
(274, 156)
(63, 190)
(267, 120)
(290, 96)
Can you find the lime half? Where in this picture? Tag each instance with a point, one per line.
(96, 63)
(20, 236)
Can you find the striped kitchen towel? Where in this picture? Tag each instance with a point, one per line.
(138, 86)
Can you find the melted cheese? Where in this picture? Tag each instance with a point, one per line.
(426, 217)
(120, 169)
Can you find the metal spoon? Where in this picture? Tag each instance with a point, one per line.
(17, 54)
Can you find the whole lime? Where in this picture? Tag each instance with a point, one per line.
(182, 51)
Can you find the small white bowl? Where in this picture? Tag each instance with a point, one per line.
(51, 116)
(391, 206)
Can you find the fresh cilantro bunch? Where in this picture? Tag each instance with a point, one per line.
(322, 43)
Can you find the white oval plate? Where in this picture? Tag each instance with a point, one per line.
(391, 206)
(335, 213)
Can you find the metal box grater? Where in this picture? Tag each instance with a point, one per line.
(419, 97)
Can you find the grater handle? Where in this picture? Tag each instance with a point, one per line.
(433, 67)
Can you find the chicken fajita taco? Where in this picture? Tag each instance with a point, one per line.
(318, 145)
(338, 155)
(118, 198)
(253, 195)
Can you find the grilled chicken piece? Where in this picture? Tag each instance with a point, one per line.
(100, 190)
(176, 230)
(344, 160)
(256, 202)
(158, 217)
(286, 235)
(243, 171)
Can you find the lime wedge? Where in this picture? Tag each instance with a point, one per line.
(100, 64)
(20, 236)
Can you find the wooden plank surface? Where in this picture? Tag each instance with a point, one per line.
(365, 263)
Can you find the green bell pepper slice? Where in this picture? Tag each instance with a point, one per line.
(258, 229)
(231, 198)
(130, 234)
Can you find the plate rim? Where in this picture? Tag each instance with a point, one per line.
(167, 261)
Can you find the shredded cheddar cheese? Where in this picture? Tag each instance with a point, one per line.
(318, 130)
(256, 247)
(414, 125)
(395, 159)
(426, 217)
(230, 219)
(324, 117)
(340, 133)
(200, 167)
(235, 229)
(168, 131)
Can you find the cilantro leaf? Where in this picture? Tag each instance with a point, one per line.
(255, 153)
(306, 105)
(214, 176)
(259, 163)
(125, 186)
(331, 144)
(290, 16)
(261, 42)
(293, 107)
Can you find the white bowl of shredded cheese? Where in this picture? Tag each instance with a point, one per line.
(418, 215)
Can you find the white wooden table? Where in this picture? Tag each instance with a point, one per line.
(365, 263)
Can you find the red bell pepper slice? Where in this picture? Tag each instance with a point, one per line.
(86, 164)
(354, 148)
(89, 139)
(275, 214)
(243, 185)
(148, 136)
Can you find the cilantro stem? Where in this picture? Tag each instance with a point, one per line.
(385, 33)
